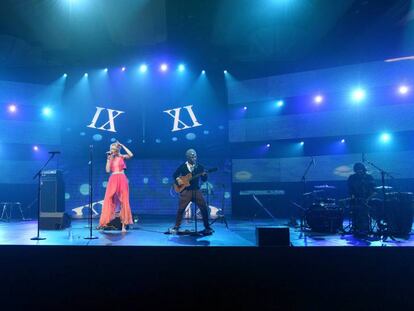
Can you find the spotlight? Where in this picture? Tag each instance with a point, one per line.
(85, 74)
(47, 111)
(403, 89)
(302, 143)
(268, 145)
(35, 148)
(65, 75)
(106, 70)
(318, 99)
(245, 108)
(280, 103)
(123, 68)
(181, 67)
(12, 108)
(225, 71)
(143, 68)
(343, 141)
(385, 137)
(358, 95)
(164, 67)
(203, 72)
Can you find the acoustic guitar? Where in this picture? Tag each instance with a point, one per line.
(189, 177)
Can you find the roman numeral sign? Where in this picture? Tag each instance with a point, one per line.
(175, 114)
(112, 114)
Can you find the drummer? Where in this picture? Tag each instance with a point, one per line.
(361, 188)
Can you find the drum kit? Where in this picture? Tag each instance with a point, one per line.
(390, 213)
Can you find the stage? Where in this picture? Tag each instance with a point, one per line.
(150, 231)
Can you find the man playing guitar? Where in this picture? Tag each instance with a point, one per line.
(192, 191)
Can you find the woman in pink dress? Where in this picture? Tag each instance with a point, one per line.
(117, 189)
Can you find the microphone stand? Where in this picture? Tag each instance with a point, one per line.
(384, 197)
(90, 237)
(38, 176)
(303, 180)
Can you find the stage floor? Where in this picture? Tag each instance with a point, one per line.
(150, 232)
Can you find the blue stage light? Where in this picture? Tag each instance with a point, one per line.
(85, 74)
(47, 111)
(302, 143)
(106, 70)
(403, 89)
(280, 103)
(268, 145)
(343, 141)
(245, 108)
(225, 71)
(181, 67)
(123, 68)
(385, 137)
(35, 148)
(163, 67)
(12, 108)
(143, 68)
(65, 75)
(318, 99)
(203, 72)
(358, 95)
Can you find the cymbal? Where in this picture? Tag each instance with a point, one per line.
(324, 187)
(385, 187)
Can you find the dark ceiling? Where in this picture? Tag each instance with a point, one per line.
(249, 36)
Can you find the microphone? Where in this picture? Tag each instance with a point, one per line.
(54, 152)
(108, 152)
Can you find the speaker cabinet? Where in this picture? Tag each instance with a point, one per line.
(54, 221)
(52, 192)
(272, 236)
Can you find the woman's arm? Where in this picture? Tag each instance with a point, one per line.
(129, 153)
(108, 164)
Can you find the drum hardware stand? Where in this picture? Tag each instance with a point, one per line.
(222, 217)
(383, 228)
(303, 207)
(263, 207)
(90, 163)
(38, 175)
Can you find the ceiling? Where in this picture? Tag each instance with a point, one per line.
(252, 37)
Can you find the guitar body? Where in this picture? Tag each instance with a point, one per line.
(186, 182)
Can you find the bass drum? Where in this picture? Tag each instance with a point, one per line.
(322, 219)
(397, 212)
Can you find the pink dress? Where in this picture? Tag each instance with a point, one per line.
(117, 193)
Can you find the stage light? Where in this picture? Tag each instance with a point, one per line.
(12, 108)
(123, 68)
(302, 143)
(203, 72)
(318, 99)
(85, 74)
(164, 67)
(65, 75)
(225, 71)
(181, 67)
(106, 70)
(47, 111)
(35, 148)
(385, 137)
(245, 108)
(268, 145)
(280, 103)
(403, 89)
(343, 141)
(143, 68)
(358, 95)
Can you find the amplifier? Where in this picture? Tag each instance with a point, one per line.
(52, 192)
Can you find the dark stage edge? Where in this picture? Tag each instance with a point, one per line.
(234, 278)
(238, 277)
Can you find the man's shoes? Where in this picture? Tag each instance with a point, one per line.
(207, 231)
(173, 230)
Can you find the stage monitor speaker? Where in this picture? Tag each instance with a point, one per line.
(54, 221)
(52, 192)
(272, 236)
